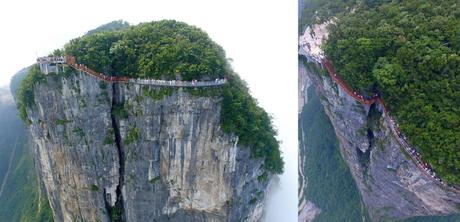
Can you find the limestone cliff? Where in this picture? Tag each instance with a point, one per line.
(112, 151)
(391, 185)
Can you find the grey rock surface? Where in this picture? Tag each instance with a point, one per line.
(167, 160)
(391, 185)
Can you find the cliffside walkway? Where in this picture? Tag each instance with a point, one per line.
(71, 61)
(412, 152)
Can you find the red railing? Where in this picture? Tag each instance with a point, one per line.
(360, 98)
(71, 61)
(415, 156)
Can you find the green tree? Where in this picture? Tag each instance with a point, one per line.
(409, 51)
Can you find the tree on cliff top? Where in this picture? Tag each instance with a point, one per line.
(161, 50)
(409, 51)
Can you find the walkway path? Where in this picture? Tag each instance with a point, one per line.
(71, 61)
(415, 156)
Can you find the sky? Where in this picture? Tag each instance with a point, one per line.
(260, 36)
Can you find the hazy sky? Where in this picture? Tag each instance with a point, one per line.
(260, 37)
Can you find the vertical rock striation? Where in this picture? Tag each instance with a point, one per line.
(70, 123)
(114, 152)
(391, 185)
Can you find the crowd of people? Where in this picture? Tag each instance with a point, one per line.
(417, 157)
(70, 60)
(193, 83)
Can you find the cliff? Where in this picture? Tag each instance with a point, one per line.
(119, 151)
(20, 190)
(391, 185)
(328, 191)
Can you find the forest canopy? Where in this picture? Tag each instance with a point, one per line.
(165, 49)
(241, 115)
(318, 11)
(409, 51)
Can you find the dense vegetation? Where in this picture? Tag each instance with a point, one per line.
(16, 80)
(241, 115)
(331, 187)
(111, 26)
(21, 199)
(317, 11)
(25, 91)
(163, 50)
(409, 51)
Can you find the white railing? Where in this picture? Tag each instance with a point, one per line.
(71, 61)
(178, 83)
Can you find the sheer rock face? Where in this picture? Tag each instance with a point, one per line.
(167, 160)
(391, 185)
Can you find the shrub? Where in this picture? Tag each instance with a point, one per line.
(109, 140)
(102, 85)
(61, 121)
(241, 115)
(25, 93)
(154, 180)
(133, 136)
(79, 132)
(94, 187)
(263, 177)
(158, 93)
(115, 212)
(119, 111)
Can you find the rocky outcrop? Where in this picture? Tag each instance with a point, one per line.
(308, 211)
(108, 152)
(391, 185)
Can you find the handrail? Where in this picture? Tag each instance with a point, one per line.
(412, 152)
(72, 62)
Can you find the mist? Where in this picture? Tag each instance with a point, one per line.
(5, 95)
